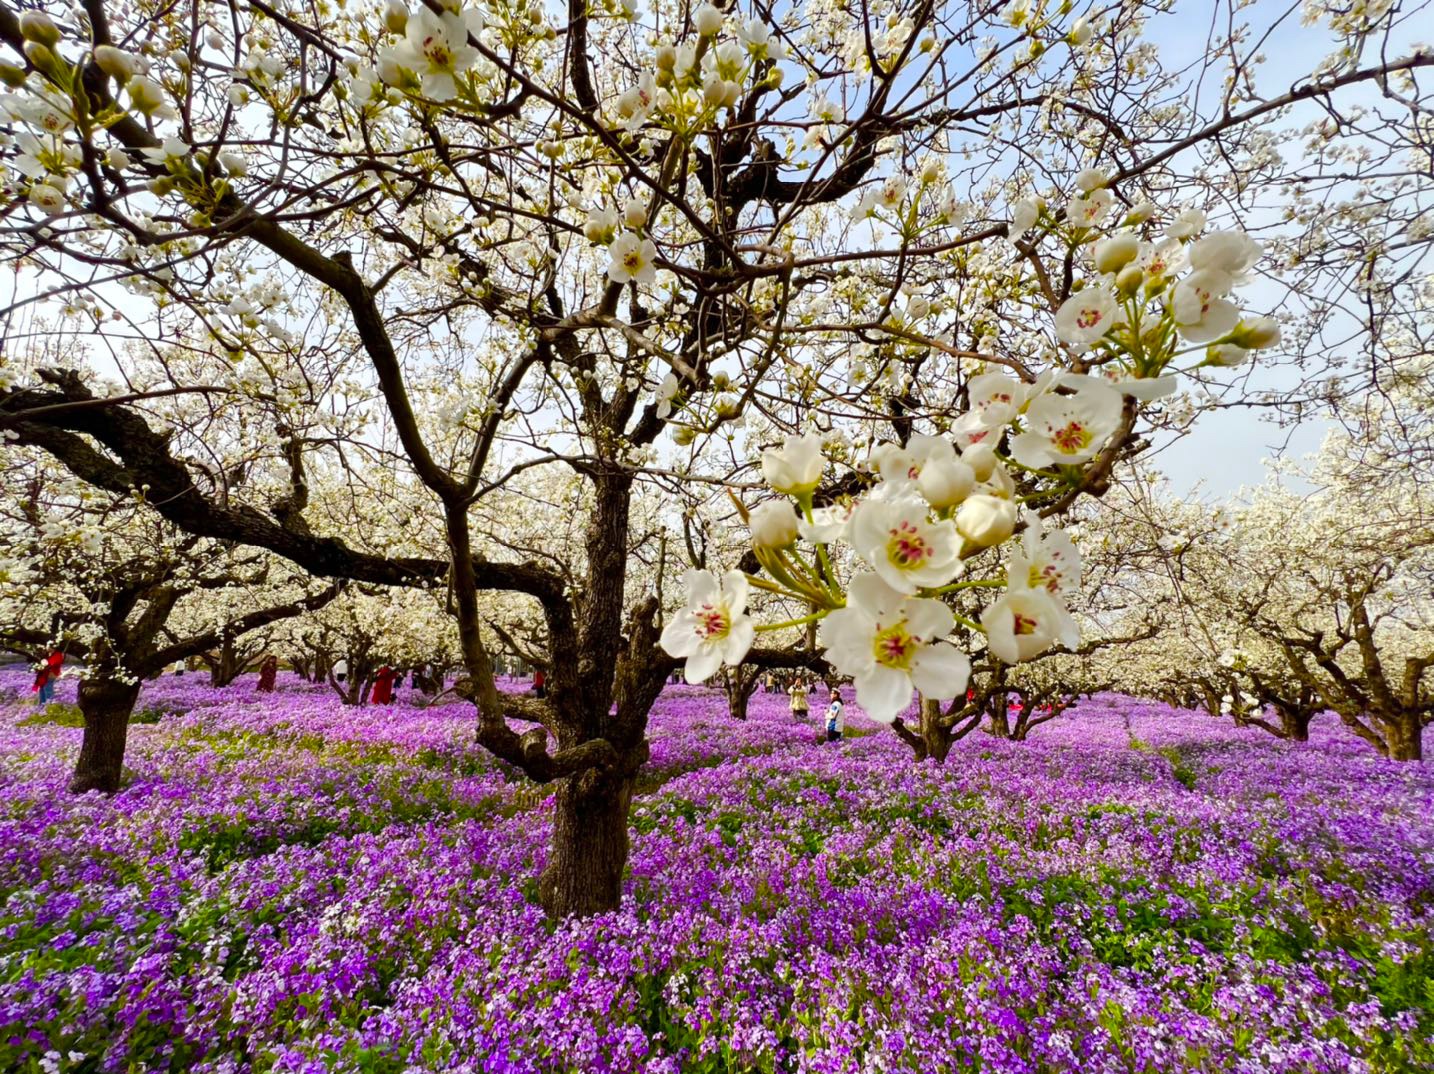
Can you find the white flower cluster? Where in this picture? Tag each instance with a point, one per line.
(694, 81)
(434, 51)
(1146, 295)
(887, 627)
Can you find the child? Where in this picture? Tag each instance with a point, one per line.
(836, 717)
(44, 687)
(798, 693)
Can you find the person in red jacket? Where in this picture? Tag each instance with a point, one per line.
(268, 671)
(45, 680)
(540, 682)
(383, 686)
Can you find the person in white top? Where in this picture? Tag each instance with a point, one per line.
(798, 693)
(836, 717)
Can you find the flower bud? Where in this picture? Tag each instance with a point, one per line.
(665, 56)
(1257, 333)
(1226, 355)
(39, 27)
(1129, 280)
(985, 520)
(48, 198)
(634, 213)
(682, 435)
(708, 20)
(1114, 253)
(116, 62)
(395, 16)
(41, 56)
(1080, 31)
(117, 159)
(162, 186)
(234, 163)
(982, 460)
(1139, 214)
(12, 76)
(945, 484)
(773, 524)
(600, 225)
(145, 94)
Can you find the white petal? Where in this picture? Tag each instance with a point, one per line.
(703, 663)
(701, 586)
(883, 692)
(846, 636)
(1031, 449)
(737, 589)
(941, 671)
(679, 637)
(873, 596)
(928, 619)
(739, 639)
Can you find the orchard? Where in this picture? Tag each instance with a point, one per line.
(600, 536)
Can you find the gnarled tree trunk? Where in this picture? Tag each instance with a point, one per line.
(106, 705)
(1405, 736)
(589, 847)
(1294, 722)
(740, 683)
(1000, 718)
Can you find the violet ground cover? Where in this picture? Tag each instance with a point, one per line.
(289, 885)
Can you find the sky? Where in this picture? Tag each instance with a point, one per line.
(1228, 449)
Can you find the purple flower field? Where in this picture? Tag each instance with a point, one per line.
(288, 885)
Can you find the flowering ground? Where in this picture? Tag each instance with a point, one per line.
(286, 885)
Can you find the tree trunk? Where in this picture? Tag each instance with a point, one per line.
(1405, 737)
(589, 847)
(225, 666)
(1000, 719)
(1295, 724)
(740, 683)
(106, 706)
(936, 739)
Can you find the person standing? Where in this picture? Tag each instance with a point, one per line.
(383, 686)
(540, 682)
(798, 694)
(268, 672)
(49, 671)
(836, 717)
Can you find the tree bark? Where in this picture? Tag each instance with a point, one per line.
(106, 706)
(740, 683)
(1405, 737)
(1295, 724)
(589, 847)
(1000, 719)
(225, 665)
(935, 738)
